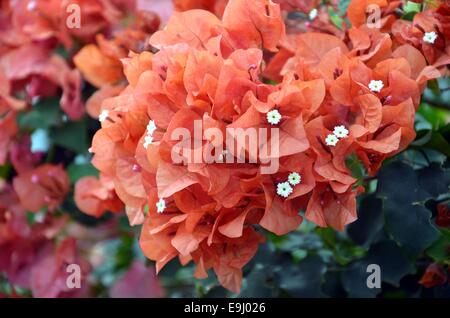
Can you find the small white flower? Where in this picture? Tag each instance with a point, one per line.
(331, 140)
(294, 178)
(151, 127)
(148, 140)
(313, 14)
(273, 117)
(284, 189)
(160, 206)
(376, 86)
(103, 115)
(430, 37)
(340, 131)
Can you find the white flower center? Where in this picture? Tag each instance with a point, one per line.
(273, 117)
(160, 206)
(376, 86)
(340, 131)
(430, 37)
(331, 140)
(284, 189)
(294, 178)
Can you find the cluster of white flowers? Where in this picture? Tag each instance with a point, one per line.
(339, 132)
(160, 206)
(151, 127)
(430, 37)
(273, 117)
(376, 86)
(284, 189)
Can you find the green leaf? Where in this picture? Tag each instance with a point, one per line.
(408, 16)
(61, 51)
(44, 114)
(30, 218)
(398, 183)
(433, 86)
(357, 168)
(343, 7)
(436, 117)
(146, 209)
(304, 279)
(406, 220)
(411, 9)
(304, 241)
(369, 223)
(393, 265)
(433, 140)
(335, 18)
(445, 131)
(71, 136)
(344, 251)
(5, 170)
(434, 179)
(411, 6)
(328, 235)
(124, 253)
(78, 171)
(276, 239)
(410, 225)
(439, 251)
(393, 262)
(257, 283)
(299, 255)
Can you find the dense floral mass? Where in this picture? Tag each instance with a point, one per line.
(303, 87)
(330, 96)
(36, 49)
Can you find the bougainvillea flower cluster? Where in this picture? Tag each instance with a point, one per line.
(330, 95)
(36, 51)
(28, 255)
